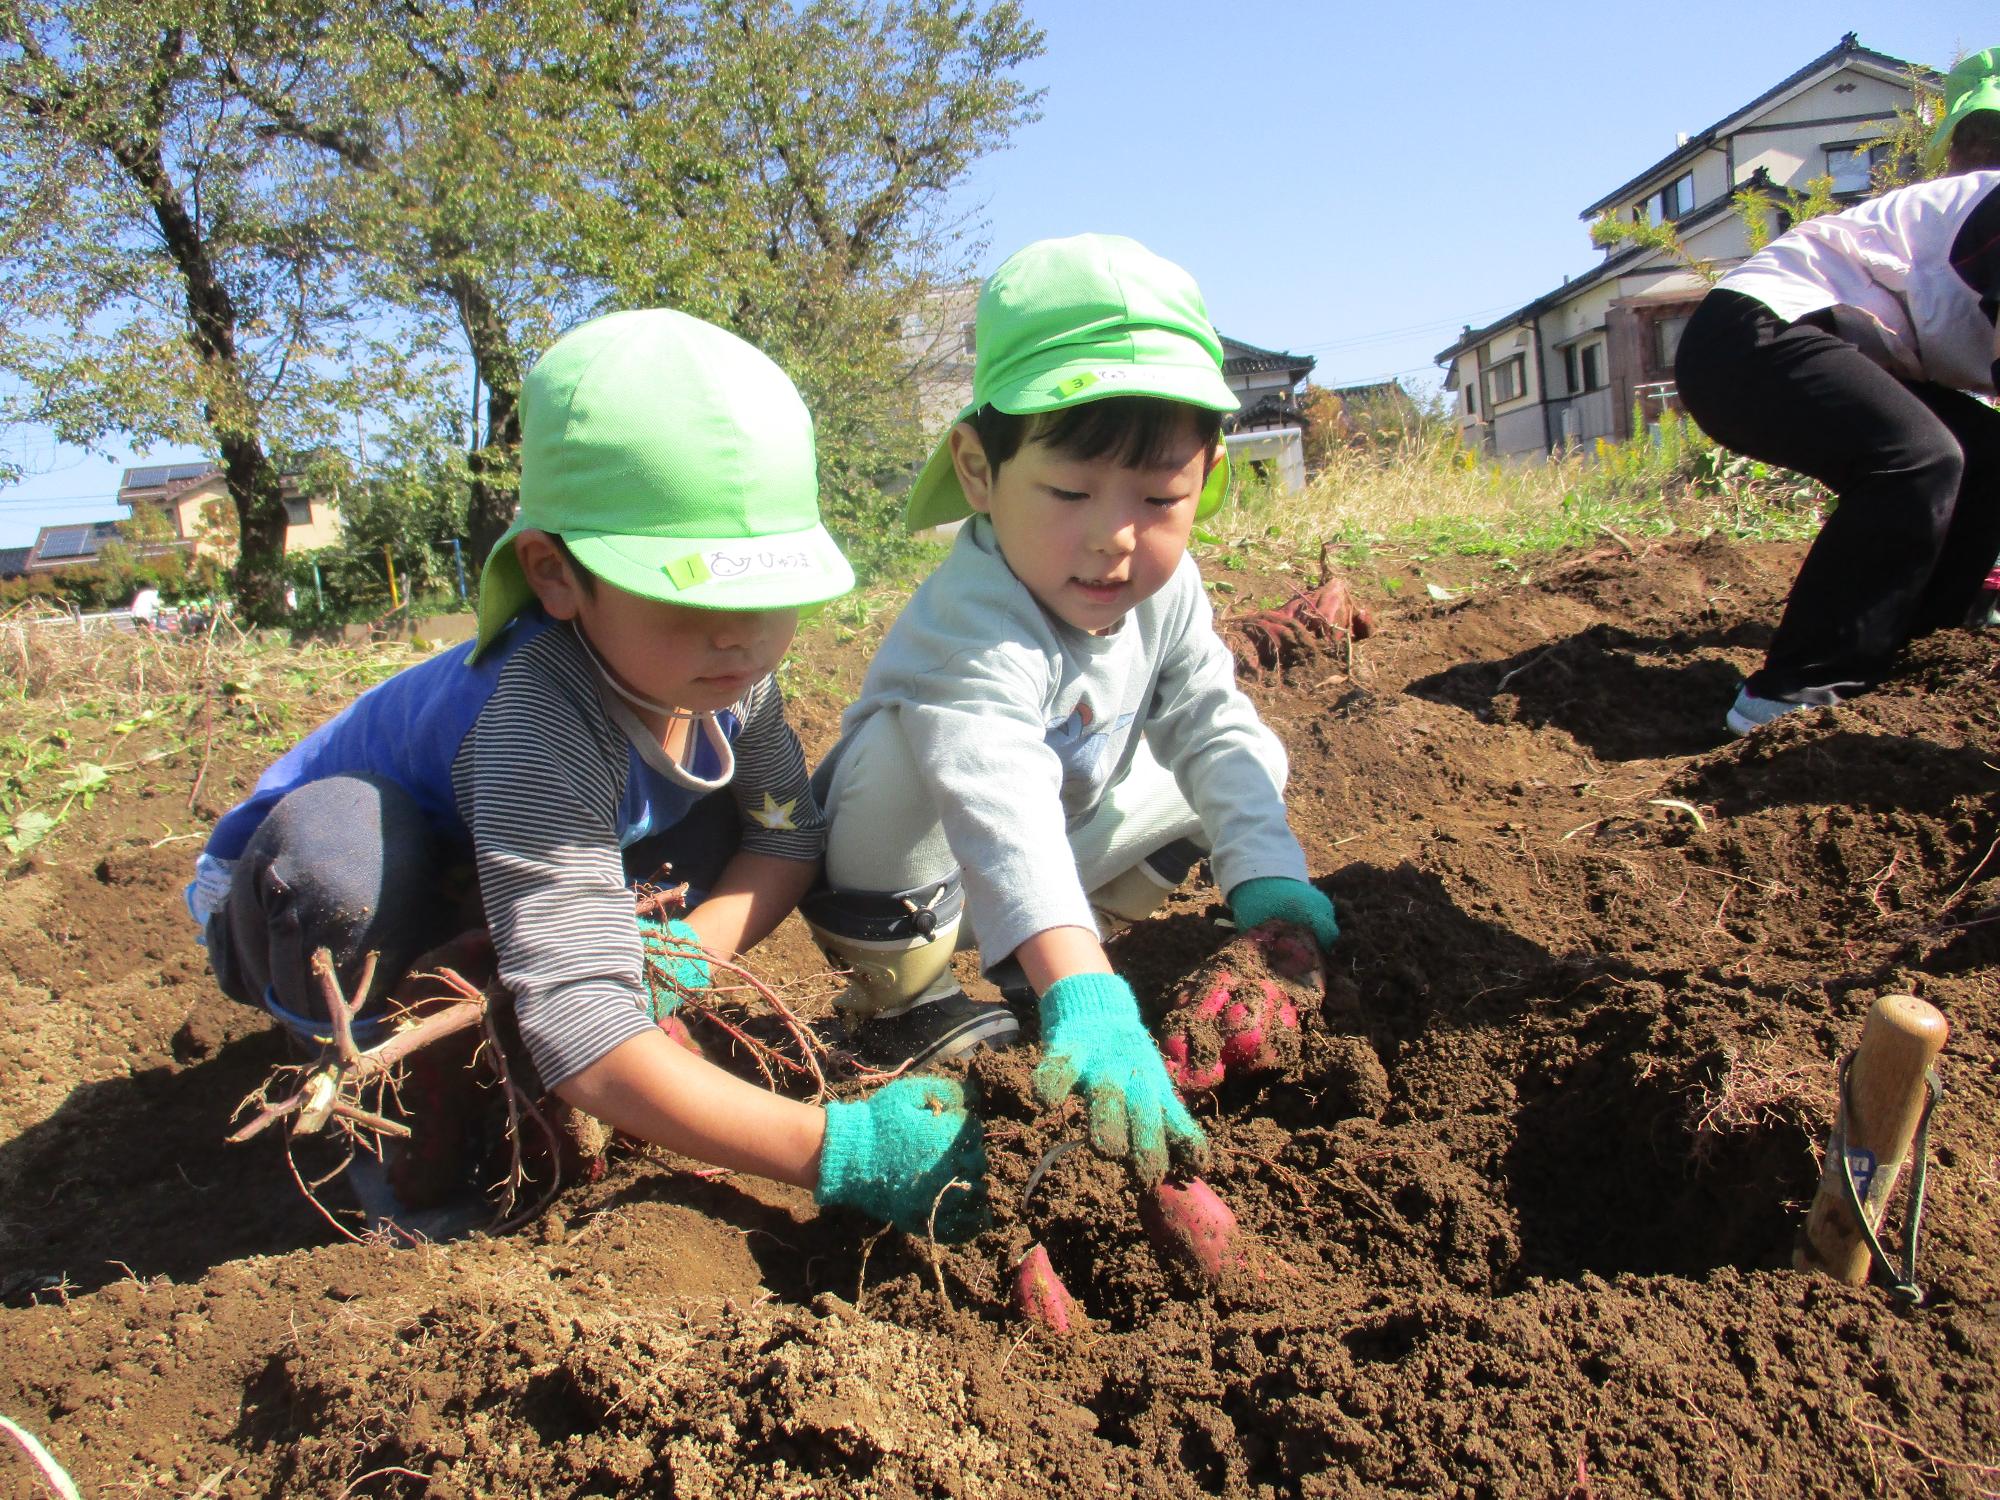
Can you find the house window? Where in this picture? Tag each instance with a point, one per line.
(1673, 200)
(298, 512)
(1570, 385)
(966, 341)
(1506, 381)
(1852, 168)
(1472, 400)
(1591, 359)
(1667, 340)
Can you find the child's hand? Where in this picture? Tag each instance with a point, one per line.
(910, 1153)
(1274, 898)
(675, 963)
(1094, 1043)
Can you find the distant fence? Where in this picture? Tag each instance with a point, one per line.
(171, 621)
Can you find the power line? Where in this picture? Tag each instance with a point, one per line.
(61, 501)
(1395, 333)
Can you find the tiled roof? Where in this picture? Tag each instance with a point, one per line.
(1846, 50)
(1239, 358)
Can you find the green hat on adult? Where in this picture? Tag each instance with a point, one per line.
(676, 462)
(1973, 84)
(1081, 319)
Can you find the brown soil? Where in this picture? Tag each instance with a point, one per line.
(1518, 1219)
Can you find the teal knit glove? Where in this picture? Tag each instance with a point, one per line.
(893, 1154)
(1276, 898)
(1092, 1042)
(675, 965)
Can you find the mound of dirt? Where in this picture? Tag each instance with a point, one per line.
(1517, 1208)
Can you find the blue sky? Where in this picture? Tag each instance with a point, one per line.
(1351, 181)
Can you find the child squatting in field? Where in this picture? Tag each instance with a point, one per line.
(1050, 735)
(616, 711)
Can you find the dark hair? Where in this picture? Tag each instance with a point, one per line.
(585, 579)
(1975, 143)
(1136, 432)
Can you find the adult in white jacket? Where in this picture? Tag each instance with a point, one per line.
(1845, 349)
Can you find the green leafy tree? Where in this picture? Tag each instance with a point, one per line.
(1609, 232)
(157, 282)
(463, 150)
(805, 201)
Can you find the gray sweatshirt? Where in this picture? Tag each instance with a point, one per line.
(1022, 723)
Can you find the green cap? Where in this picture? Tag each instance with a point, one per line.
(676, 461)
(1974, 84)
(1068, 321)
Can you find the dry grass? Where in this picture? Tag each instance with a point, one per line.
(1427, 492)
(47, 657)
(1771, 1086)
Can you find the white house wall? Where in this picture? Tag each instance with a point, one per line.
(1788, 144)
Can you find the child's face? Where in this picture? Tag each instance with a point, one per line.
(1090, 538)
(696, 659)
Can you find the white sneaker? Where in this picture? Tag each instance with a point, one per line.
(1750, 712)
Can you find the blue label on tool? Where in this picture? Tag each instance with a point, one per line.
(1861, 1167)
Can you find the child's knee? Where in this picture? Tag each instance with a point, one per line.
(1136, 893)
(346, 864)
(895, 946)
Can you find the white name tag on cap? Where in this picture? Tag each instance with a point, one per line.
(751, 558)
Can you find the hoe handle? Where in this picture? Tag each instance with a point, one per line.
(1886, 1091)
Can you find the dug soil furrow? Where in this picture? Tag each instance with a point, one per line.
(1515, 1221)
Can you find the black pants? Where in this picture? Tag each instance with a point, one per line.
(351, 864)
(1916, 468)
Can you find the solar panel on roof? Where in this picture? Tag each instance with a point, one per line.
(152, 476)
(69, 541)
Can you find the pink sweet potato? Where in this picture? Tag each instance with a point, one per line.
(1239, 1016)
(1189, 1225)
(1040, 1296)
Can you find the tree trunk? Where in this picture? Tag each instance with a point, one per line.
(253, 481)
(257, 492)
(495, 487)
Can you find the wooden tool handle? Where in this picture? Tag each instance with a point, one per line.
(1886, 1093)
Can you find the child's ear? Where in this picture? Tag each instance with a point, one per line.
(549, 574)
(968, 460)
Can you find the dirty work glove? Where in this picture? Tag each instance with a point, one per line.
(1277, 898)
(1093, 1042)
(673, 963)
(892, 1154)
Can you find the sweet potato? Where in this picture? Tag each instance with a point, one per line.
(1040, 1296)
(1189, 1225)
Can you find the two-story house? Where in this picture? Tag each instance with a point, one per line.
(1572, 365)
(195, 502)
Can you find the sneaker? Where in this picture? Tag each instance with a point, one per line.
(1751, 712)
(939, 1030)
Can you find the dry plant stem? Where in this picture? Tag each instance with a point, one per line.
(861, 1276)
(1983, 1476)
(207, 719)
(809, 1046)
(1952, 900)
(518, 1104)
(930, 1233)
(311, 1197)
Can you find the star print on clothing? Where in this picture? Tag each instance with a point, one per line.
(775, 814)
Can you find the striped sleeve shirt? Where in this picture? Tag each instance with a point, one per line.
(555, 778)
